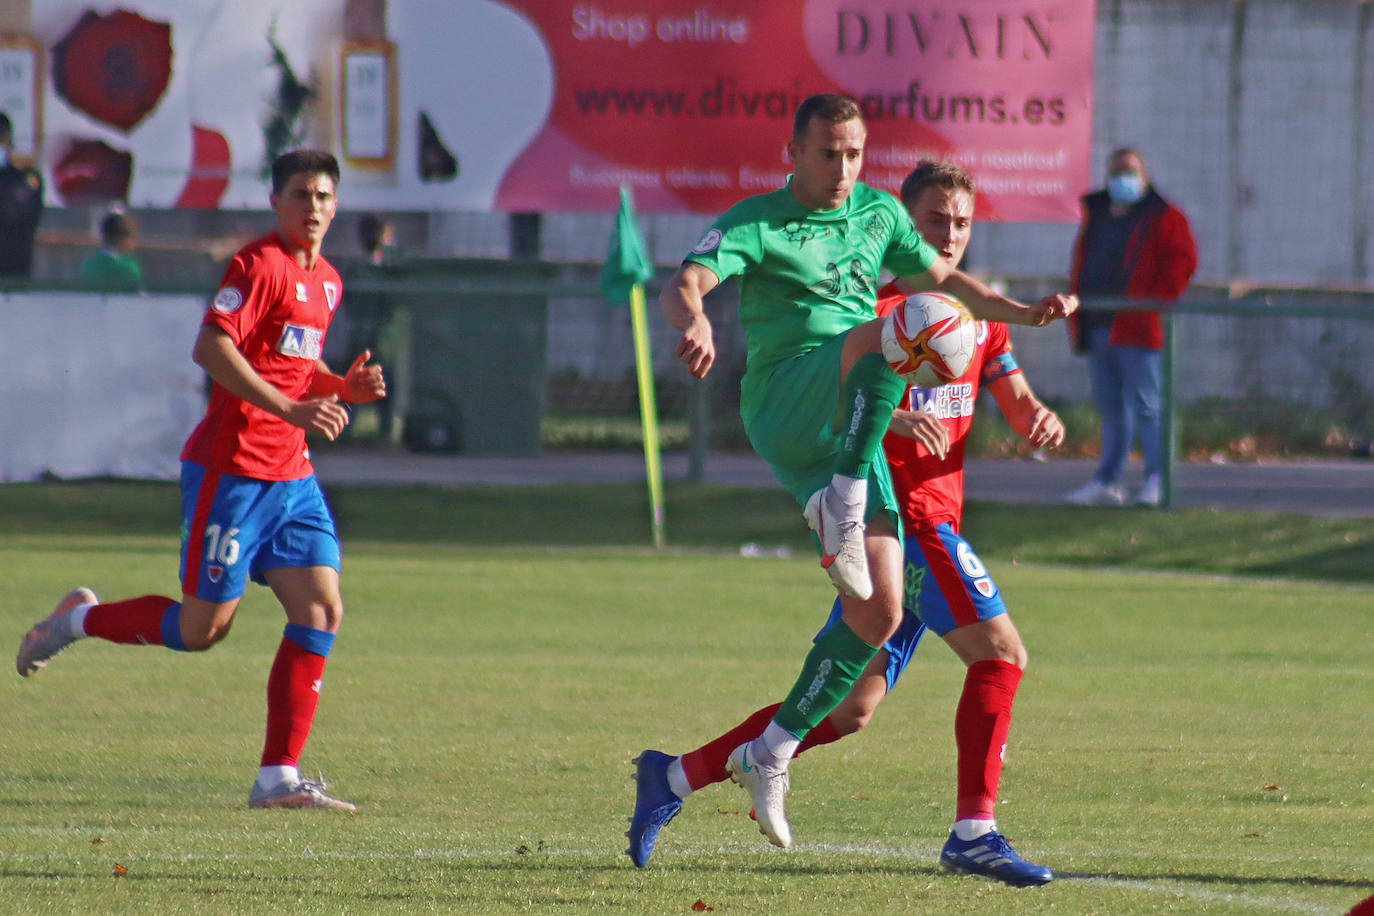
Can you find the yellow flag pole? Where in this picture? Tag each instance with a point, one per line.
(648, 410)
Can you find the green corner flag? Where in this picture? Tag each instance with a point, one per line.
(626, 265)
(622, 280)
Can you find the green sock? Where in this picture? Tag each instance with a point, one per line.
(832, 666)
(871, 392)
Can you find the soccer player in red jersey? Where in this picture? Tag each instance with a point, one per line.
(251, 506)
(947, 587)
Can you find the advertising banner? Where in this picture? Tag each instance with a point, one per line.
(552, 105)
(691, 104)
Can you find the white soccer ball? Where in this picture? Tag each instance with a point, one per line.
(929, 339)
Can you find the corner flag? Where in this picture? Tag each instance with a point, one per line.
(626, 263)
(622, 278)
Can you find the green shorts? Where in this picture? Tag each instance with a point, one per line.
(798, 425)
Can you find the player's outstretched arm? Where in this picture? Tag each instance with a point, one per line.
(984, 301)
(1032, 420)
(215, 352)
(681, 301)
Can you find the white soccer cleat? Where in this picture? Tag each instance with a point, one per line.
(841, 527)
(297, 793)
(1094, 493)
(52, 634)
(767, 787)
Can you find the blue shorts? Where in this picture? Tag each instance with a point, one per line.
(947, 586)
(234, 528)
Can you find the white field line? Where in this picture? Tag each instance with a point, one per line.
(1180, 889)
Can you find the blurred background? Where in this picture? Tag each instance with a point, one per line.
(1256, 117)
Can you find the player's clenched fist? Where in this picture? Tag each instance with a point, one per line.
(364, 383)
(697, 348)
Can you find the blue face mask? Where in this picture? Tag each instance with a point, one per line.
(1126, 188)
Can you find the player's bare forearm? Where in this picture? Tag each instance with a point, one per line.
(984, 301)
(215, 353)
(1025, 414)
(682, 302)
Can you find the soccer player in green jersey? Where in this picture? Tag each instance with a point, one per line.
(817, 395)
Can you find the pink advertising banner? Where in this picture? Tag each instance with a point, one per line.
(691, 104)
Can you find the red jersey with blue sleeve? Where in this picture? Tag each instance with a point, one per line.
(277, 313)
(930, 490)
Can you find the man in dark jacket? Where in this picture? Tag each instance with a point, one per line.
(21, 203)
(1133, 244)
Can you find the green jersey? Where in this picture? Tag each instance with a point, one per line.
(112, 271)
(806, 275)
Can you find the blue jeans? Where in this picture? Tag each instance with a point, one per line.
(1127, 385)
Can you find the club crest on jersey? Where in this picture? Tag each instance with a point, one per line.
(984, 586)
(228, 300)
(301, 341)
(331, 294)
(215, 573)
(302, 292)
(709, 242)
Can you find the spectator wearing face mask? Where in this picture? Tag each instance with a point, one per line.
(1132, 244)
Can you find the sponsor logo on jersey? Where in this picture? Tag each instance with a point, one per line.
(331, 294)
(709, 242)
(945, 402)
(215, 573)
(301, 341)
(302, 292)
(228, 300)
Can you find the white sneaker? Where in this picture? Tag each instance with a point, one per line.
(297, 793)
(1093, 493)
(841, 527)
(767, 787)
(1152, 493)
(52, 634)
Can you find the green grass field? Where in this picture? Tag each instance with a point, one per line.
(1185, 742)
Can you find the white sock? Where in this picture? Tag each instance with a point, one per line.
(971, 829)
(850, 490)
(78, 620)
(775, 747)
(268, 777)
(677, 779)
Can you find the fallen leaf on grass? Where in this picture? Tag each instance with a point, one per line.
(120, 870)
(701, 907)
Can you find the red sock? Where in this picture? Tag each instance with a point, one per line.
(706, 764)
(980, 733)
(133, 622)
(293, 693)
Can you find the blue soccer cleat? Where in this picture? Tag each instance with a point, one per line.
(991, 855)
(655, 805)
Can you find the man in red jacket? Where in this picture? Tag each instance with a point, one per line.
(1133, 244)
